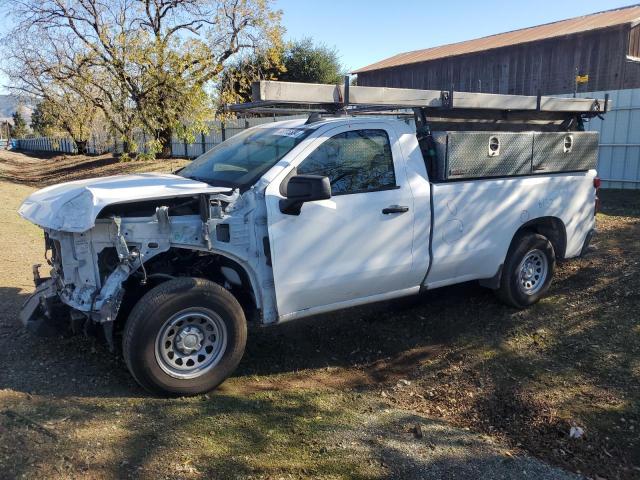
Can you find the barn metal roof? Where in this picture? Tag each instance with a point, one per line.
(561, 28)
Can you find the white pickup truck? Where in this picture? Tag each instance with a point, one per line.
(291, 219)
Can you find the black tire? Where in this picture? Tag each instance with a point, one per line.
(523, 289)
(151, 319)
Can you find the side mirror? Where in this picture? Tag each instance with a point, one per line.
(304, 188)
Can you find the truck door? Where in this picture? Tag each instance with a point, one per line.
(359, 242)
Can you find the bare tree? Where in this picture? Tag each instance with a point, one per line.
(144, 63)
(47, 64)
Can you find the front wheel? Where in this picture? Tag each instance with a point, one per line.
(184, 337)
(527, 271)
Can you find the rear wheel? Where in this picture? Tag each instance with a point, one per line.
(184, 337)
(527, 271)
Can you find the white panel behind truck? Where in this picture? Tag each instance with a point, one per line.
(290, 219)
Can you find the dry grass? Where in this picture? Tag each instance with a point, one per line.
(47, 169)
(305, 390)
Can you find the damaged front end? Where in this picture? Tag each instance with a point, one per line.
(133, 246)
(82, 290)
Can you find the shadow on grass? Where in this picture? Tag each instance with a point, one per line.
(293, 434)
(620, 202)
(218, 437)
(571, 360)
(57, 366)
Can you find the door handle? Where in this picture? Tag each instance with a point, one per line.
(395, 209)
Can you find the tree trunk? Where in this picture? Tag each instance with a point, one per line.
(81, 145)
(127, 144)
(165, 136)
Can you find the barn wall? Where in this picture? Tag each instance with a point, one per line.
(619, 156)
(548, 66)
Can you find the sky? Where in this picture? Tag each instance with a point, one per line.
(365, 31)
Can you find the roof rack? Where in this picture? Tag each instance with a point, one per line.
(446, 108)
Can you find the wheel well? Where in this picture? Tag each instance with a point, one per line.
(551, 227)
(179, 262)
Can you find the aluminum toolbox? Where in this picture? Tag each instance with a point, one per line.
(463, 155)
(564, 151)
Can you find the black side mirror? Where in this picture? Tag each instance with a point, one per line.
(304, 188)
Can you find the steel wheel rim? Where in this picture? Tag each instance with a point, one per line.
(532, 272)
(191, 343)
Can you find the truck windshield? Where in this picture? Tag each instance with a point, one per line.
(240, 161)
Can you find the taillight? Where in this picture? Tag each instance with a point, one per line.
(596, 182)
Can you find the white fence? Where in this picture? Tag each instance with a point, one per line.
(45, 144)
(219, 132)
(98, 144)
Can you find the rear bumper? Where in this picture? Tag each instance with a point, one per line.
(43, 313)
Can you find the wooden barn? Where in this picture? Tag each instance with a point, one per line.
(605, 46)
(589, 55)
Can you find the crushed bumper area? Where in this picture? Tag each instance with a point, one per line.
(43, 313)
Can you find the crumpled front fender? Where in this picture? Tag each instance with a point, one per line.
(43, 313)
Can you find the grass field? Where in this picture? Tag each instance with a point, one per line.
(340, 396)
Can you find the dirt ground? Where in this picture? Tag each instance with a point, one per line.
(42, 169)
(451, 384)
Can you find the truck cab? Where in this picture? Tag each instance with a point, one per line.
(362, 243)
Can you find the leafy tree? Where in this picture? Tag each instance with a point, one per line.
(19, 128)
(299, 61)
(63, 110)
(235, 82)
(68, 113)
(309, 63)
(41, 121)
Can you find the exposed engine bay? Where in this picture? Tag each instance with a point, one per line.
(135, 246)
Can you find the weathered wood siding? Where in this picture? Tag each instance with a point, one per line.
(548, 66)
(634, 41)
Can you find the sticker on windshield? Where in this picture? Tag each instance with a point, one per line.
(288, 132)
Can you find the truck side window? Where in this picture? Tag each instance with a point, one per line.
(355, 161)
